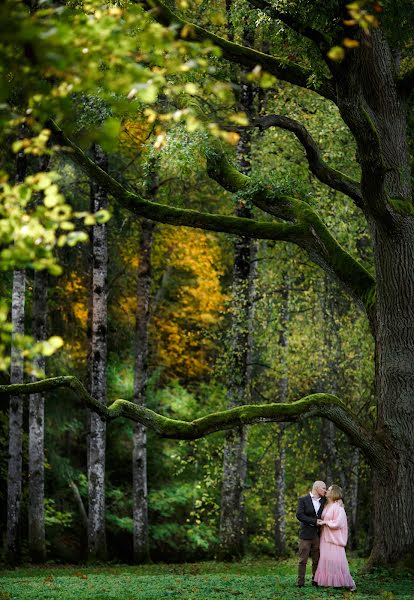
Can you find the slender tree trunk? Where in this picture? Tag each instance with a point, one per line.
(97, 432)
(352, 497)
(14, 478)
(139, 456)
(79, 503)
(36, 514)
(232, 522)
(280, 458)
(331, 465)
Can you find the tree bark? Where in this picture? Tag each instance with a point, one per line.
(331, 469)
(394, 494)
(139, 456)
(280, 458)
(14, 477)
(36, 513)
(352, 496)
(232, 515)
(79, 503)
(97, 431)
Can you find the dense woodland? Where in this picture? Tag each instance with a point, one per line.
(210, 204)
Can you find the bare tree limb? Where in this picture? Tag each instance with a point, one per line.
(315, 405)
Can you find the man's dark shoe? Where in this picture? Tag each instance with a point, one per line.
(300, 585)
(314, 583)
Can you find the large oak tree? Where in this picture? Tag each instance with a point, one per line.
(372, 87)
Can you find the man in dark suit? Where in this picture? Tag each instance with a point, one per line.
(309, 512)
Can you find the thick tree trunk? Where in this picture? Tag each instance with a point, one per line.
(97, 432)
(14, 477)
(232, 521)
(280, 458)
(394, 490)
(376, 112)
(36, 513)
(139, 456)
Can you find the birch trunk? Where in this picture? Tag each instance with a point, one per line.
(36, 514)
(97, 430)
(14, 476)
(139, 456)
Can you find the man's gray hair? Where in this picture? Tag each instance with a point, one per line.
(317, 484)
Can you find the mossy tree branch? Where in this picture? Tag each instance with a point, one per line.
(177, 216)
(243, 55)
(304, 228)
(315, 238)
(326, 174)
(315, 405)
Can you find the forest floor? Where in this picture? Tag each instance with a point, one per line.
(250, 579)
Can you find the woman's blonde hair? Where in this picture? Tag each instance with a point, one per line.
(336, 492)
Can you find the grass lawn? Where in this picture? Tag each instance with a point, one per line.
(258, 579)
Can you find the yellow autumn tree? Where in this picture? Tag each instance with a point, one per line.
(191, 301)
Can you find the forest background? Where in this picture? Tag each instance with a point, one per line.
(301, 334)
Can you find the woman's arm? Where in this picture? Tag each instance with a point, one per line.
(339, 518)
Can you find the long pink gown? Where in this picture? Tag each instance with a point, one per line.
(333, 569)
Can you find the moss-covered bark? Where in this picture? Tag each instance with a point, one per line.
(304, 228)
(315, 405)
(243, 55)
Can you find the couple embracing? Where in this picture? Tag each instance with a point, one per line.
(323, 535)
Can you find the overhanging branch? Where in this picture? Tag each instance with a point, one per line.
(177, 216)
(243, 55)
(315, 238)
(315, 405)
(304, 227)
(326, 174)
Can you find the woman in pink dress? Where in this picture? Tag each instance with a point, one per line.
(333, 569)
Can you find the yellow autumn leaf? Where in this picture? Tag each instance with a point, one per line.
(336, 53)
(350, 43)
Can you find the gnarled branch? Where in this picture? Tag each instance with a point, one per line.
(315, 405)
(178, 216)
(315, 238)
(326, 174)
(304, 227)
(243, 55)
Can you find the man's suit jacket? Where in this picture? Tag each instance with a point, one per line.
(308, 517)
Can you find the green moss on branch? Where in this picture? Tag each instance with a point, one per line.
(315, 405)
(243, 55)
